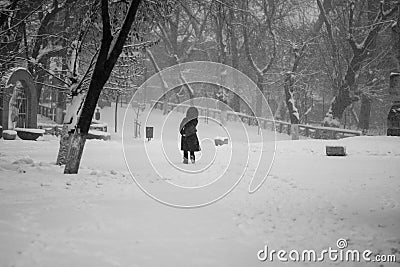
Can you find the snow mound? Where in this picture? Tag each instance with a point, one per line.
(95, 134)
(25, 160)
(96, 173)
(355, 146)
(99, 133)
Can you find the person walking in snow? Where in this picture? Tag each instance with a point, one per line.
(188, 131)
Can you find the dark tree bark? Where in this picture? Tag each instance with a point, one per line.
(219, 33)
(13, 26)
(75, 152)
(70, 65)
(64, 145)
(260, 72)
(339, 104)
(289, 81)
(41, 41)
(365, 112)
(394, 88)
(290, 101)
(366, 100)
(179, 47)
(4, 16)
(107, 57)
(298, 52)
(164, 85)
(235, 57)
(347, 86)
(280, 111)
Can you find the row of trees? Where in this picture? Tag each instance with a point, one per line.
(89, 37)
(298, 52)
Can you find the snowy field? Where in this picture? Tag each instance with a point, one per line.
(100, 217)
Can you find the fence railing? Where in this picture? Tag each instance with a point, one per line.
(311, 131)
(47, 112)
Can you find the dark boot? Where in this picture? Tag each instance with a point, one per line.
(192, 157)
(185, 157)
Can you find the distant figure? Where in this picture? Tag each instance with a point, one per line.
(189, 140)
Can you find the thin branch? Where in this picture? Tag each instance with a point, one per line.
(64, 89)
(88, 71)
(22, 20)
(329, 28)
(107, 35)
(247, 45)
(124, 32)
(164, 85)
(270, 18)
(232, 7)
(143, 44)
(47, 71)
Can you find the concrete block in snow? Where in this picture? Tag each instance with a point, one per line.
(220, 141)
(335, 151)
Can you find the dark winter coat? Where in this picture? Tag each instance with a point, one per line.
(189, 140)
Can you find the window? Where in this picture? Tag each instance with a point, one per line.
(22, 106)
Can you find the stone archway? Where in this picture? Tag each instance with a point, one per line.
(10, 92)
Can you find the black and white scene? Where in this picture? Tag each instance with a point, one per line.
(199, 133)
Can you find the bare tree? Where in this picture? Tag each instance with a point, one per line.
(269, 9)
(49, 41)
(346, 84)
(109, 52)
(181, 32)
(234, 43)
(298, 50)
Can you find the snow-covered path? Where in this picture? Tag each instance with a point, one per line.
(101, 218)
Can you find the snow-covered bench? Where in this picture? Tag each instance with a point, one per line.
(94, 134)
(29, 134)
(9, 134)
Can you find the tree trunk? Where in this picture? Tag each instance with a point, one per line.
(361, 51)
(354, 115)
(323, 105)
(75, 151)
(219, 21)
(365, 113)
(105, 62)
(64, 143)
(235, 59)
(290, 101)
(259, 96)
(280, 110)
(366, 101)
(394, 86)
(236, 102)
(12, 46)
(116, 114)
(337, 108)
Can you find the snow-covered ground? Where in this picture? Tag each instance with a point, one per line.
(101, 218)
